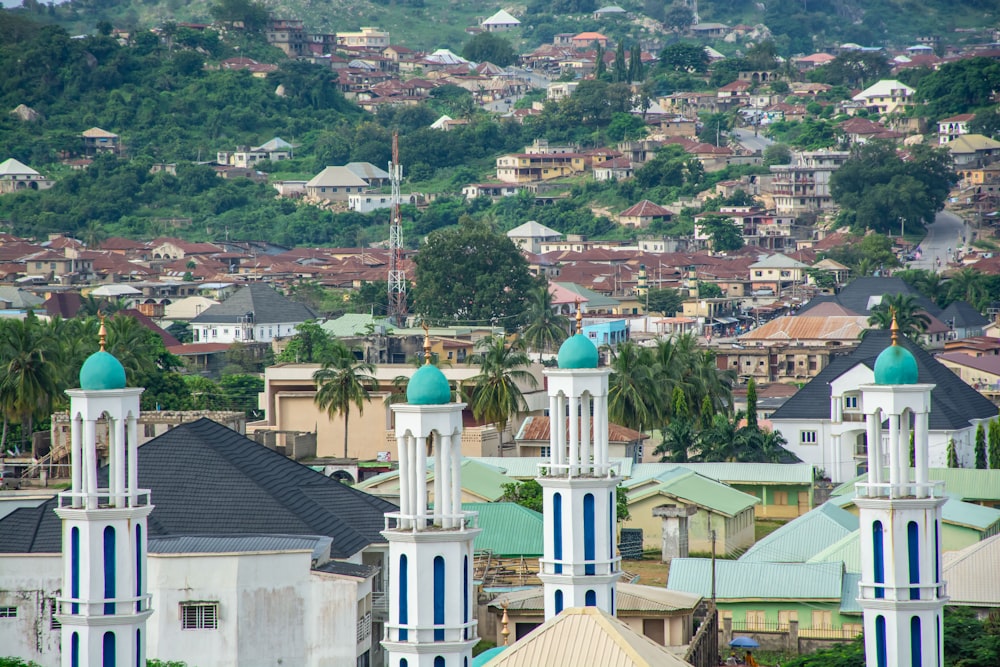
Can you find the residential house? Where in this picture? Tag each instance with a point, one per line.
(812, 61)
(708, 30)
(804, 186)
(617, 169)
(586, 40)
(494, 191)
(969, 573)
(775, 357)
(275, 150)
(241, 538)
(644, 214)
(289, 35)
(803, 537)
(531, 167)
(886, 96)
(499, 22)
(824, 423)
(980, 373)
(970, 151)
(533, 439)
(335, 184)
(963, 320)
(172, 248)
(859, 130)
(368, 38)
(374, 176)
(776, 272)
(96, 141)
(255, 313)
(953, 127)
(720, 508)
(530, 236)
(16, 176)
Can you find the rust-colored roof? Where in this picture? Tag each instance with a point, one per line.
(645, 209)
(537, 429)
(809, 327)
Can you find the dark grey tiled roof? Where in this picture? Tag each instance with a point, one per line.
(953, 402)
(347, 569)
(964, 315)
(206, 479)
(856, 295)
(267, 305)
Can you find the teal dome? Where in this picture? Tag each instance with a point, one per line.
(102, 371)
(896, 365)
(578, 352)
(428, 386)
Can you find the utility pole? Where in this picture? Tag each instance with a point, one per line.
(397, 277)
(711, 533)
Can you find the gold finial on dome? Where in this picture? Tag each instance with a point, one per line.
(427, 343)
(102, 333)
(894, 328)
(505, 621)
(579, 317)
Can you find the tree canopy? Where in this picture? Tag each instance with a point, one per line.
(490, 47)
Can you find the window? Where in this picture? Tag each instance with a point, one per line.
(199, 615)
(54, 623)
(545, 452)
(785, 617)
(755, 618)
(8, 612)
(807, 437)
(850, 402)
(781, 497)
(821, 620)
(149, 430)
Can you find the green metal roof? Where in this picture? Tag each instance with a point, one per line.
(846, 550)
(526, 467)
(800, 539)
(477, 478)
(696, 489)
(594, 300)
(508, 529)
(849, 594)
(354, 324)
(739, 580)
(968, 483)
(735, 473)
(955, 511)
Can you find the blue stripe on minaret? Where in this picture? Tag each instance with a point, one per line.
(74, 566)
(880, 658)
(465, 595)
(913, 557)
(878, 557)
(109, 570)
(403, 600)
(74, 648)
(589, 546)
(559, 601)
(138, 567)
(138, 649)
(916, 652)
(557, 531)
(108, 649)
(438, 600)
(612, 506)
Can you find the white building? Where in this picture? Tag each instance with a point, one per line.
(804, 185)
(530, 236)
(886, 96)
(953, 127)
(902, 590)
(502, 20)
(255, 313)
(824, 423)
(16, 176)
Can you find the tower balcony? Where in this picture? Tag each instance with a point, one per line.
(104, 499)
(442, 635)
(462, 522)
(930, 592)
(572, 470)
(899, 491)
(583, 568)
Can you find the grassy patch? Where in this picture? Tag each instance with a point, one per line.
(764, 527)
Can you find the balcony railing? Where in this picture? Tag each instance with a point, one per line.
(123, 606)
(596, 567)
(604, 470)
(103, 499)
(414, 633)
(904, 489)
(364, 627)
(462, 521)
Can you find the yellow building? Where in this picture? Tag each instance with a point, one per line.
(532, 167)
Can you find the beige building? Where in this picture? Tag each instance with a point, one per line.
(289, 403)
(529, 167)
(367, 38)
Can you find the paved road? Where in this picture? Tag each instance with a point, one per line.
(946, 232)
(746, 138)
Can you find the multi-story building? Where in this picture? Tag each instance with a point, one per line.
(804, 186)
(758, 227)
(528, 167)
(367, 38)
(953, 127)
(289, 35)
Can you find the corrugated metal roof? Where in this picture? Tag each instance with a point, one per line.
(803, 537)
(347, 569)
(735, 473)
(849, 594)
(508, 529)
(526, 467)
(479, 479)
(585, 636)
(537, 429)
(846, 550)
(221, 544)
(972, 574)
(631, 598)
(954, 511)
(739, 580)
(969, 484)
(809, 327)
(698, 490)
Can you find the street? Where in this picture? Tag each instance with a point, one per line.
(745, 137)
(945, 233)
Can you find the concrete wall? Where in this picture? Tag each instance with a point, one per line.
(29, 583)
(732, 534)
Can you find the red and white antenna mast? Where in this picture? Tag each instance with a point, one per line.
(397, 277)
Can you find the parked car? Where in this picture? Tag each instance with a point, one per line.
(9, 480)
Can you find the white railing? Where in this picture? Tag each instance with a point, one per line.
(601, 567)
(425, 634)
(123, 606)
(594, 470)
(103, 499)
(364, 627)
(905, 489)
(461, 522)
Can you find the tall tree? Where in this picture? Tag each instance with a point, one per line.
(752, 404)
(910, 318)
(28, 376)
(343, 381)
(546, 328)
(980, 447)
(971, 286)
(994, 444)
(632, 387)
(723, 233)
(620, 74)
(311, 344)
(490, 47)
(496, 389)
(951, 454)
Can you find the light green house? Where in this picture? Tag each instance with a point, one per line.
(727, 511)
(800, 539)
(766, 597)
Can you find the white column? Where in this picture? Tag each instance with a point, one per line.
(904, 457)
(90, 461)
(402, 447)
(456, 477)
(585, 435)
(553, 430)
(559, 420)
(435, 438)
(119, 470)
(574, 435)
(881, 448)
(114, 462)
(873, 453)
(76, 452)
(894, 453)
(133, 460)
(920, 428)
(420, 475)
(601, 437)
(442, 458)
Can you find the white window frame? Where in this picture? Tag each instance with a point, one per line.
(808, 437)
(199, 615)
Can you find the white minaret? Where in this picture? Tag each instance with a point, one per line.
(901, 591)
(104, 603)
(431, 595)
(580, 566)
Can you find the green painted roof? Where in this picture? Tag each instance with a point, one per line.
(968, 483)
(477, 478)
(955, 512)
(578, 351)
(696, 489)
(739, 580)
(526, 467)
(849, 594)
(508, 529)
(896, 365)
(800, 539)
(354, 324)
(102, 371)
(846, 550)
(735, 473)
(594, 300)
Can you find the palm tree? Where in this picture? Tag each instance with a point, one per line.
(911, 320)
(969, 285)
(632, 388)
(496, 390)
(29, 378)
(547, 329)
(138, 349)
(343, 381)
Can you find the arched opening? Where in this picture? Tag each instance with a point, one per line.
(880, 657)
(559, 601)
(916, 643)
(589, 541)
(74, 566)
(109, 650)
(590, 599)
(878, 558)
(438, 599)
(109, 570)
(913, 557)
(138, 566)
(557, 532)
(403, 598)
(343, 476)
